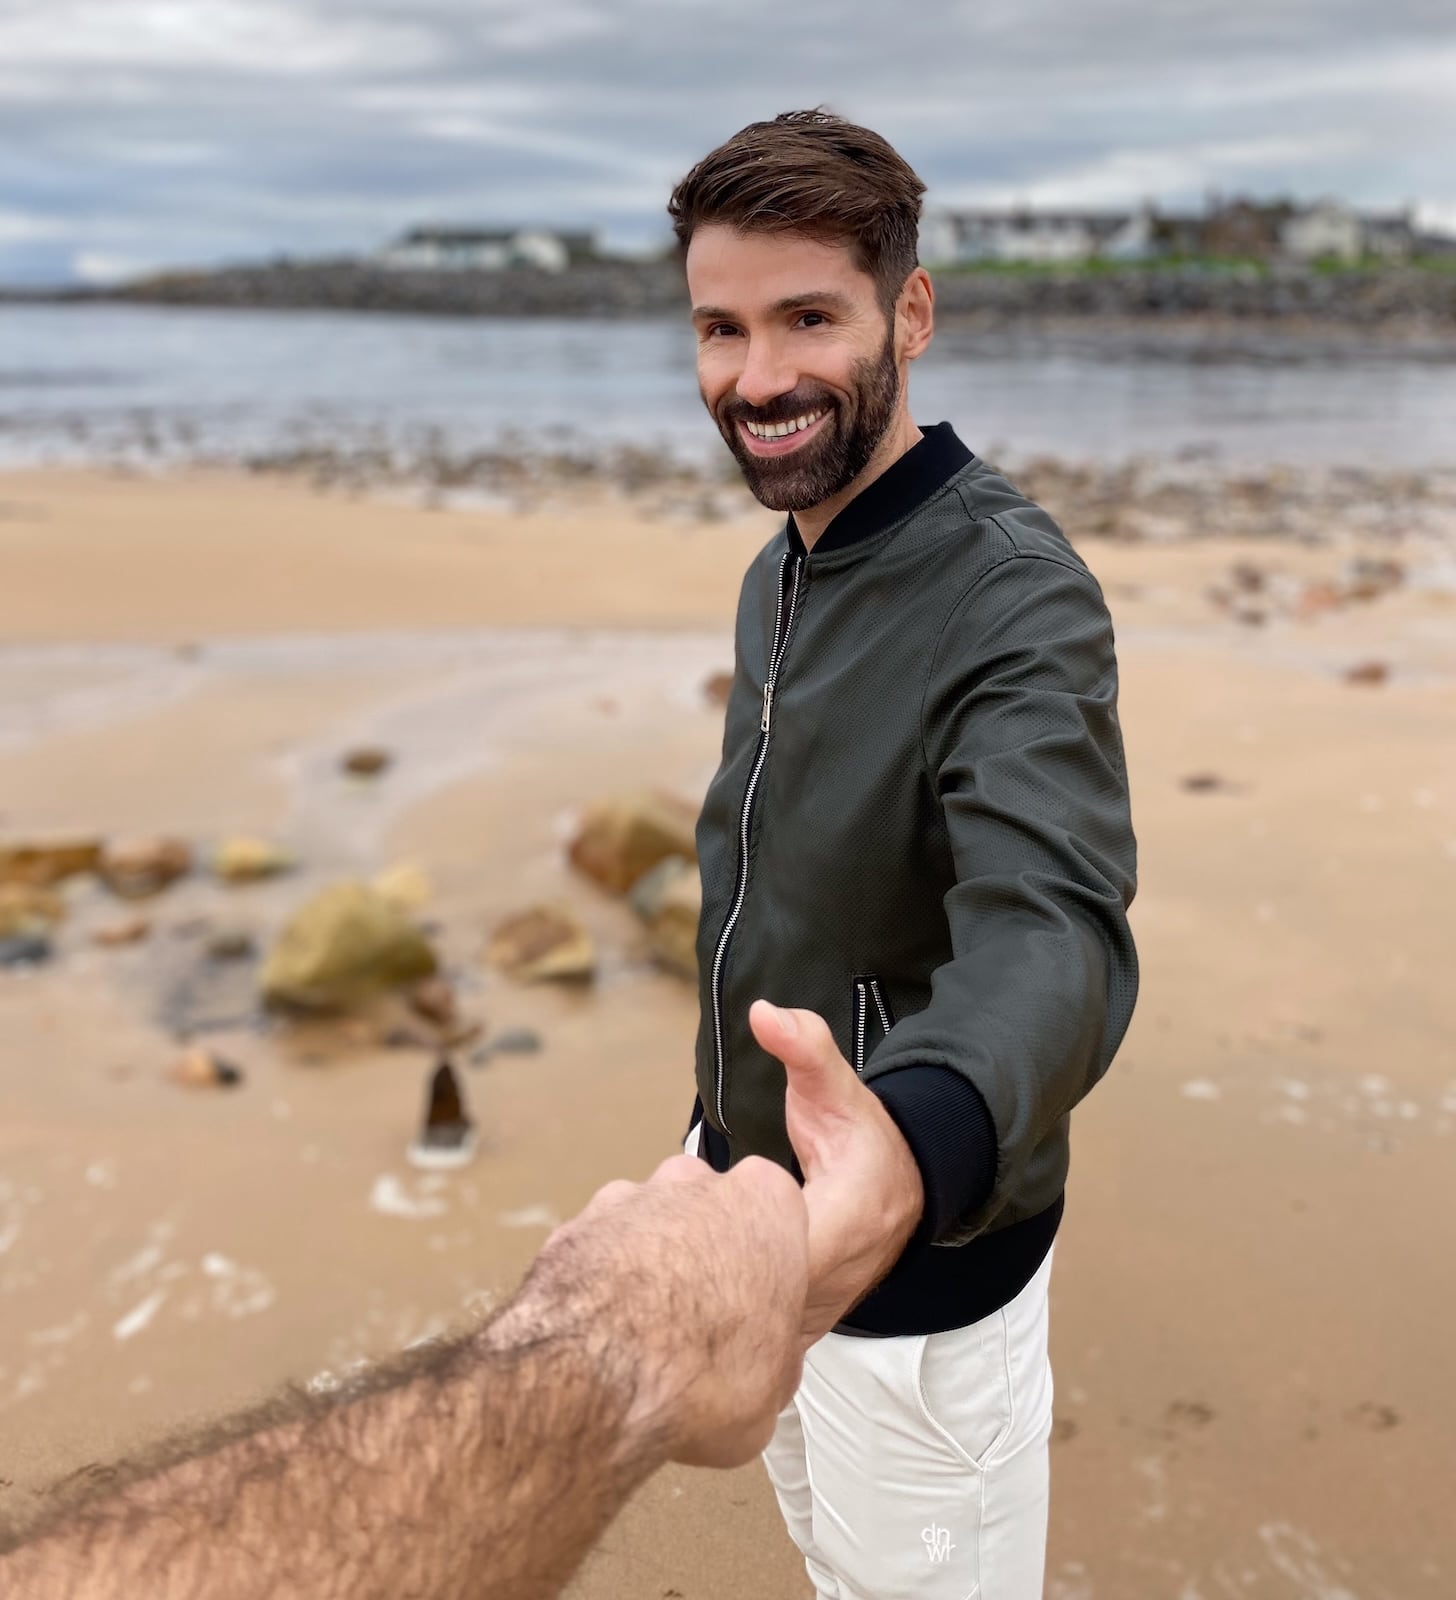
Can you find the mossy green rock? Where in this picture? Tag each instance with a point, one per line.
(347, 943)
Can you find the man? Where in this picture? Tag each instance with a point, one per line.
(919, 838)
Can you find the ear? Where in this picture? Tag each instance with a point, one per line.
(915, 315)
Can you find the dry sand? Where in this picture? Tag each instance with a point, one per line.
(1254, 1286)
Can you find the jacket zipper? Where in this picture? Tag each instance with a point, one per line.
(886, 1020)
(783, 626)
(865, 990)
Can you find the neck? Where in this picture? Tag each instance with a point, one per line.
(900, 436)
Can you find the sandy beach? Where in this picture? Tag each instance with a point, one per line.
(1253, 1287)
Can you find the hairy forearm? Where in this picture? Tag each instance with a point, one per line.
(483, 1468)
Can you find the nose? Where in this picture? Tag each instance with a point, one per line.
(766, 373)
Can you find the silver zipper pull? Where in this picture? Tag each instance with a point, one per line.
(767, 708)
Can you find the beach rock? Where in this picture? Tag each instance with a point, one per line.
(650, 890)
(621, 839)
(46, 862)
(231, 944)
(244, 860)
(672, 934)
(26, 908)
(201, 1069)
(344, 944)
(368, 761)
(717, 688)
(1371, 673)
(434, 1000)
(405, 885)
(144, 867)
(130, 930)
(1317, 598)
(546, 942)
(24, 950)
(1247, 577)
(1367, 577)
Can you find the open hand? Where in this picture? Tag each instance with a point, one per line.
(861, 1183)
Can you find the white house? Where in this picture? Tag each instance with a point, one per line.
(1325, 229)
(484, 249)
(1023, 235)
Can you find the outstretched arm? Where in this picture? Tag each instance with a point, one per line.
(484, 1467)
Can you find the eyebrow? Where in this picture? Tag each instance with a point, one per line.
(830, 299)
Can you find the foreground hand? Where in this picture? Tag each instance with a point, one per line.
(861, 1183)
(699, 1281)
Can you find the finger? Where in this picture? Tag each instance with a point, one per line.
(823, 1095)
(802, 1041)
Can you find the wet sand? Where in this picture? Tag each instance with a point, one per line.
(1252, 1293)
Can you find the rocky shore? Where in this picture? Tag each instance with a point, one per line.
(1195, 496)
(1410, 298)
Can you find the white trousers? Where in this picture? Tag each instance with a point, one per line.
(917, 1466)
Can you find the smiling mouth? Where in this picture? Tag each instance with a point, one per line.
(781, 438)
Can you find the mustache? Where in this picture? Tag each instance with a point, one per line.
(786, 410)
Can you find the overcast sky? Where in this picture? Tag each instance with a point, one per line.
(135, 133)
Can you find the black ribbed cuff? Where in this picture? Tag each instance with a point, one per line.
(945, 1122)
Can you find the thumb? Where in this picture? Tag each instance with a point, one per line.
(817, 1072)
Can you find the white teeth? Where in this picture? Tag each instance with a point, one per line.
(778, 430)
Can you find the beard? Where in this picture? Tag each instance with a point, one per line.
(829, 462)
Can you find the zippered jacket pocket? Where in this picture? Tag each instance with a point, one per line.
(872, 1018)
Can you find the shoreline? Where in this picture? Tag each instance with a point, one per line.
(1398, 295)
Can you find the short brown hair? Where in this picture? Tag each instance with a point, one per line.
(814, 174)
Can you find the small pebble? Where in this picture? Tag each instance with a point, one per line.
(24, 950)
(366, 762)
(201, 1069)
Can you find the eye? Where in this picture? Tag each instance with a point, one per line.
(813, 318)
(719, 327)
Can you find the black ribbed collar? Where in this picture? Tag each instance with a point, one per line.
(928, 465)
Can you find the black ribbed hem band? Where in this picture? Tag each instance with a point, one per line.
(932, 1288)
(950, 1133)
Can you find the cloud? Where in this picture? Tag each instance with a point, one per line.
(201, 130)
(93, 267)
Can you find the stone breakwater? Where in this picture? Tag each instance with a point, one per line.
(1394, 297)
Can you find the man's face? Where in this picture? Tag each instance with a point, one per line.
(790, 331)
